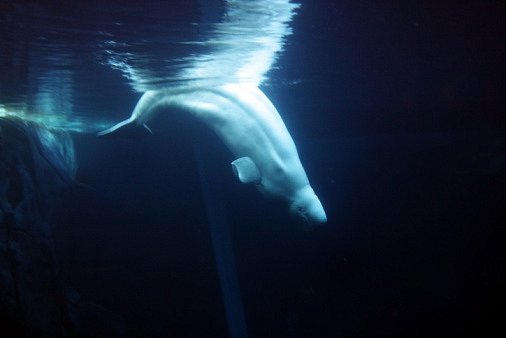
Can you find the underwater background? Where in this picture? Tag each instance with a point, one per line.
(397, 111)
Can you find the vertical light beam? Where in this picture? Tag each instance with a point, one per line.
(211, 183)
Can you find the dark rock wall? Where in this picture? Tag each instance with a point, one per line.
(36, 166)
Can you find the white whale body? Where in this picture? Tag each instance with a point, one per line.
(251, 127)
(221, 89)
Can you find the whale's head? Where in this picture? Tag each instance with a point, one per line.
(307, 207)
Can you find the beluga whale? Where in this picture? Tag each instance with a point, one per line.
(222, 90)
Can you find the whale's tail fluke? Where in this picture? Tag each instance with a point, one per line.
(126, 129)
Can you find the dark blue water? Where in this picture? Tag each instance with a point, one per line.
(397, 110)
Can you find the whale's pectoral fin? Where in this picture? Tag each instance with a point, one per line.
(246, 170)
(127, 129)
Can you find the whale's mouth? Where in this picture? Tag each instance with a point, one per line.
(315, 218)
(307, 207)
(309, 211)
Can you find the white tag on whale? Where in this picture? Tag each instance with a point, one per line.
(246, 170)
